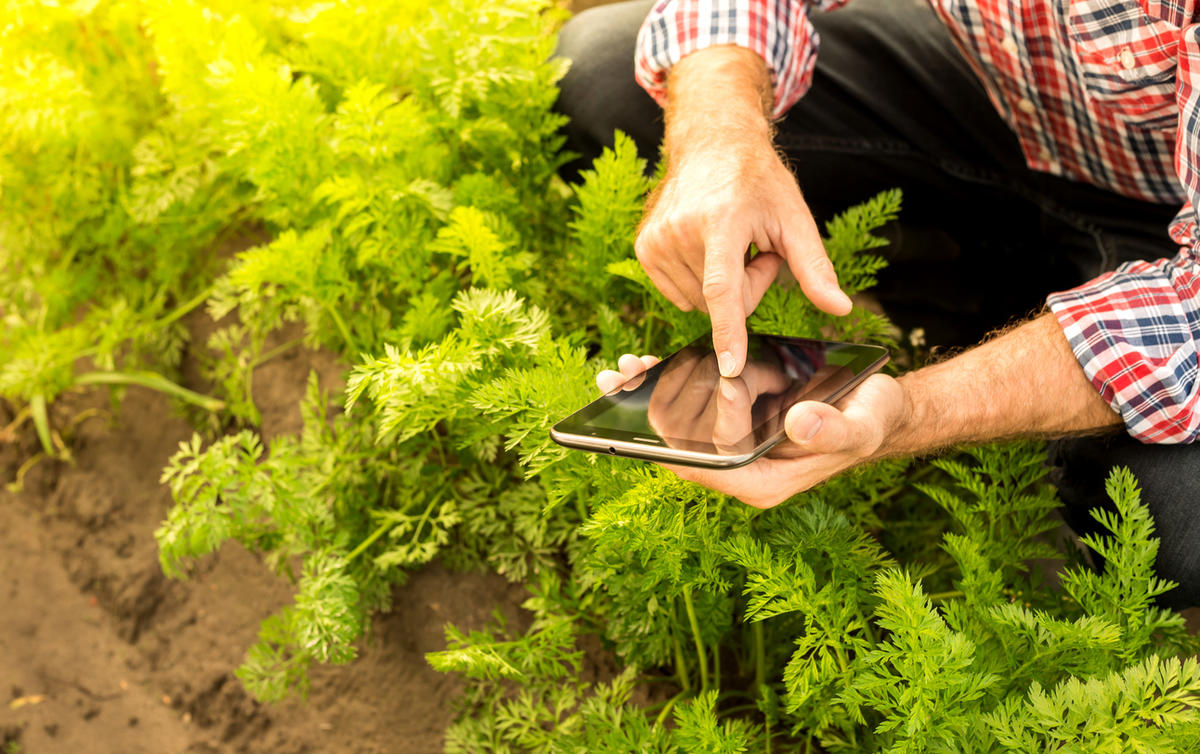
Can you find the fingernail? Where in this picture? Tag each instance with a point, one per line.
(726, 364)
(727, 391)
(809, 427)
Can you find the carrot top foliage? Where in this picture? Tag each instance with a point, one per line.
(393, 165)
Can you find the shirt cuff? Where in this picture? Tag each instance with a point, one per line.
(778, 31)
(1183, 227)
(1134, 332)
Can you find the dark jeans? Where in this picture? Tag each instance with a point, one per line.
(982, 240)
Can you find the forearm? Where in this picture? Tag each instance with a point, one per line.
(718, 97)
(1026, 382)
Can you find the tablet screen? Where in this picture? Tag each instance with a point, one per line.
(683, 403)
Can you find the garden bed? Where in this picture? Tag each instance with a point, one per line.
(384, 177)
(102, 653)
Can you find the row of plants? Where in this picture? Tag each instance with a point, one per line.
(399, 161)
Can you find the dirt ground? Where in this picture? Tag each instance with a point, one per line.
(99, 652)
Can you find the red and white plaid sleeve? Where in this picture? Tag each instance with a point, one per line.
(778, 30)
(1136, 330)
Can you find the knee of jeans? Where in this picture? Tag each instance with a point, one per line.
(601, 44)
(1169, 479)
(600, 50)
(1169, 489)
(1185, 572)
(585, 31)
(598, 94)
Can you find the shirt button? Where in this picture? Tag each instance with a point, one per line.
(1126, 57)
(1026, 106)
(1009, 45)
(1045, 155)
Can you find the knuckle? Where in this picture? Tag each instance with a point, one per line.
(717, 211)
(818, 263)
(717, 286)
(642, 246)
(713, 212)
(647, 244)
(871, 443)
(679, 227)
(723, 332)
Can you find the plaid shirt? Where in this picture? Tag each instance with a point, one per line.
(1096, 91)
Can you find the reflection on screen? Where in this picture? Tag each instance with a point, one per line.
(687, 404)
(627, 410)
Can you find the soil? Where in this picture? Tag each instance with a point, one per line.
(99, 652)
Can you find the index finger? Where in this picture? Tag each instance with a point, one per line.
(724, 273)
(733, 423)
(809, 263)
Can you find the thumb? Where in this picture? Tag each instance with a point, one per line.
(820, 428)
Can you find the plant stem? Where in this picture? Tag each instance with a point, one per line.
(952, 594)
(870, 632)
(717, 665)
(580, 506)
(437, 498)
(153, 381)
(662, 715)
(760, 655)
(8, 432)
(18, 483)
(264, 358)
(41, 420)
(83, 416)
(247, 384)
(691, 614)
(736, 709)
(437, 444)
(841, 658)
(905, 484)
(685, 680)
(379, 532)
(185, 307)
(342, 329)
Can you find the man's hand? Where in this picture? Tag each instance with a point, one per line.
(823, 440)
(691, 400)
(727, 188)
(1025, 383)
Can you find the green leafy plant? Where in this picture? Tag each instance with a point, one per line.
(96, 269)
(380, 181)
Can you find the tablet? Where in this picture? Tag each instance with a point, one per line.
(682, 411)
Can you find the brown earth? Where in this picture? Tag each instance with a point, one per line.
(99, 652)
